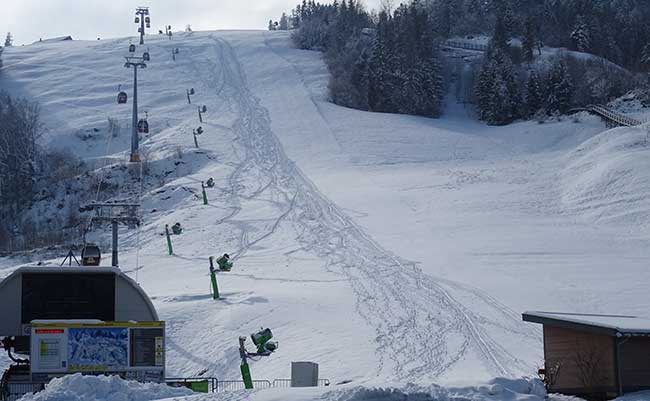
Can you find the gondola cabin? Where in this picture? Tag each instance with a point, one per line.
(137, 20)
(131, 48)
(122, 97)
(91, 255)
(146, 57)
(143, 126)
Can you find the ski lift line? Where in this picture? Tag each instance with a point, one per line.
(139, 227)
(102, 175)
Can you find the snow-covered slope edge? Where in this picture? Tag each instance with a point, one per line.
(607, 178)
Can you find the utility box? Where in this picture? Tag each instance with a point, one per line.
(304, 374)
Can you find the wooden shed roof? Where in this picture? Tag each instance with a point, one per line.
(613, 325)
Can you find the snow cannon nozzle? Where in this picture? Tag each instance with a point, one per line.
(262, 340)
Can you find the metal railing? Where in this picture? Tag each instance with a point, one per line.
(14, 391)
(234, 385)
(613, 117)
(283, 383)
(466, 45)
(194, 383)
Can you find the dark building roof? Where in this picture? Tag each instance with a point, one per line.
(612, 325)
(57, 39)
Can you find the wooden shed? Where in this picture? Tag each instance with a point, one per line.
(595, 355)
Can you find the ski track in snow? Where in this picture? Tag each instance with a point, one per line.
(422, 329)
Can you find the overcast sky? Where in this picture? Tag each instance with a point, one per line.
(29, 20)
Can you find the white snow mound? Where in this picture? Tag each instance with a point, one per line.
(607, 177)
(496, 390)
(103, 388)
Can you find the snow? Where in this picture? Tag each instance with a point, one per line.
(511, 390)
(388, 249)
(103, 388)
(623, 324)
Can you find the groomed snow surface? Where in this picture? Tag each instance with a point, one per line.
(389, 249)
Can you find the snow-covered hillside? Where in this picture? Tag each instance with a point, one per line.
(389, 249)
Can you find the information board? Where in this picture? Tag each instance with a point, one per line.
(132, 350)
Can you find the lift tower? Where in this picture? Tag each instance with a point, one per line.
(135, 62)
(114, 213)
(142, 18)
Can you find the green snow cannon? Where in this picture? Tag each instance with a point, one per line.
(177, 229)
(224, 263)
(262, 340)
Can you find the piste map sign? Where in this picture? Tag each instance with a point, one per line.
(130, 349)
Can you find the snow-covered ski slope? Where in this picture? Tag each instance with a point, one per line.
(389, 249)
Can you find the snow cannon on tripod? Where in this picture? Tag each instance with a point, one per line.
(224, 263)
(265, 347)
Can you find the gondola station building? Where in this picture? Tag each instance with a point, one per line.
(597, 356)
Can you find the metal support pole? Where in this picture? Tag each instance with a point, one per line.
(244, 368)
(200, 116)
(114, 262)
(196, 141)
(142, 28)
(205, 196)
(189, 101)
(135, 153)
(213, 280)
(169, 240)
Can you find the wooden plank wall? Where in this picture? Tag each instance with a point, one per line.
(576, 352)
(635, 363)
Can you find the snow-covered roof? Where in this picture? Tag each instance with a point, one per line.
(130, 300)
(57, 39)
(615, 325)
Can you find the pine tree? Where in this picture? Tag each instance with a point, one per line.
(284, 22)
(382, 60)
(484, 90)
(529, 41)
(645, 55)
(581, 35)
(500, 36)
(534, 96)
(560, 89)
(496, 89)
(9, 40)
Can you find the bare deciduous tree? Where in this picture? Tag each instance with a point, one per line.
(588, 359)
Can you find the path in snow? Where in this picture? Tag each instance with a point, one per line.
(422, 330)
